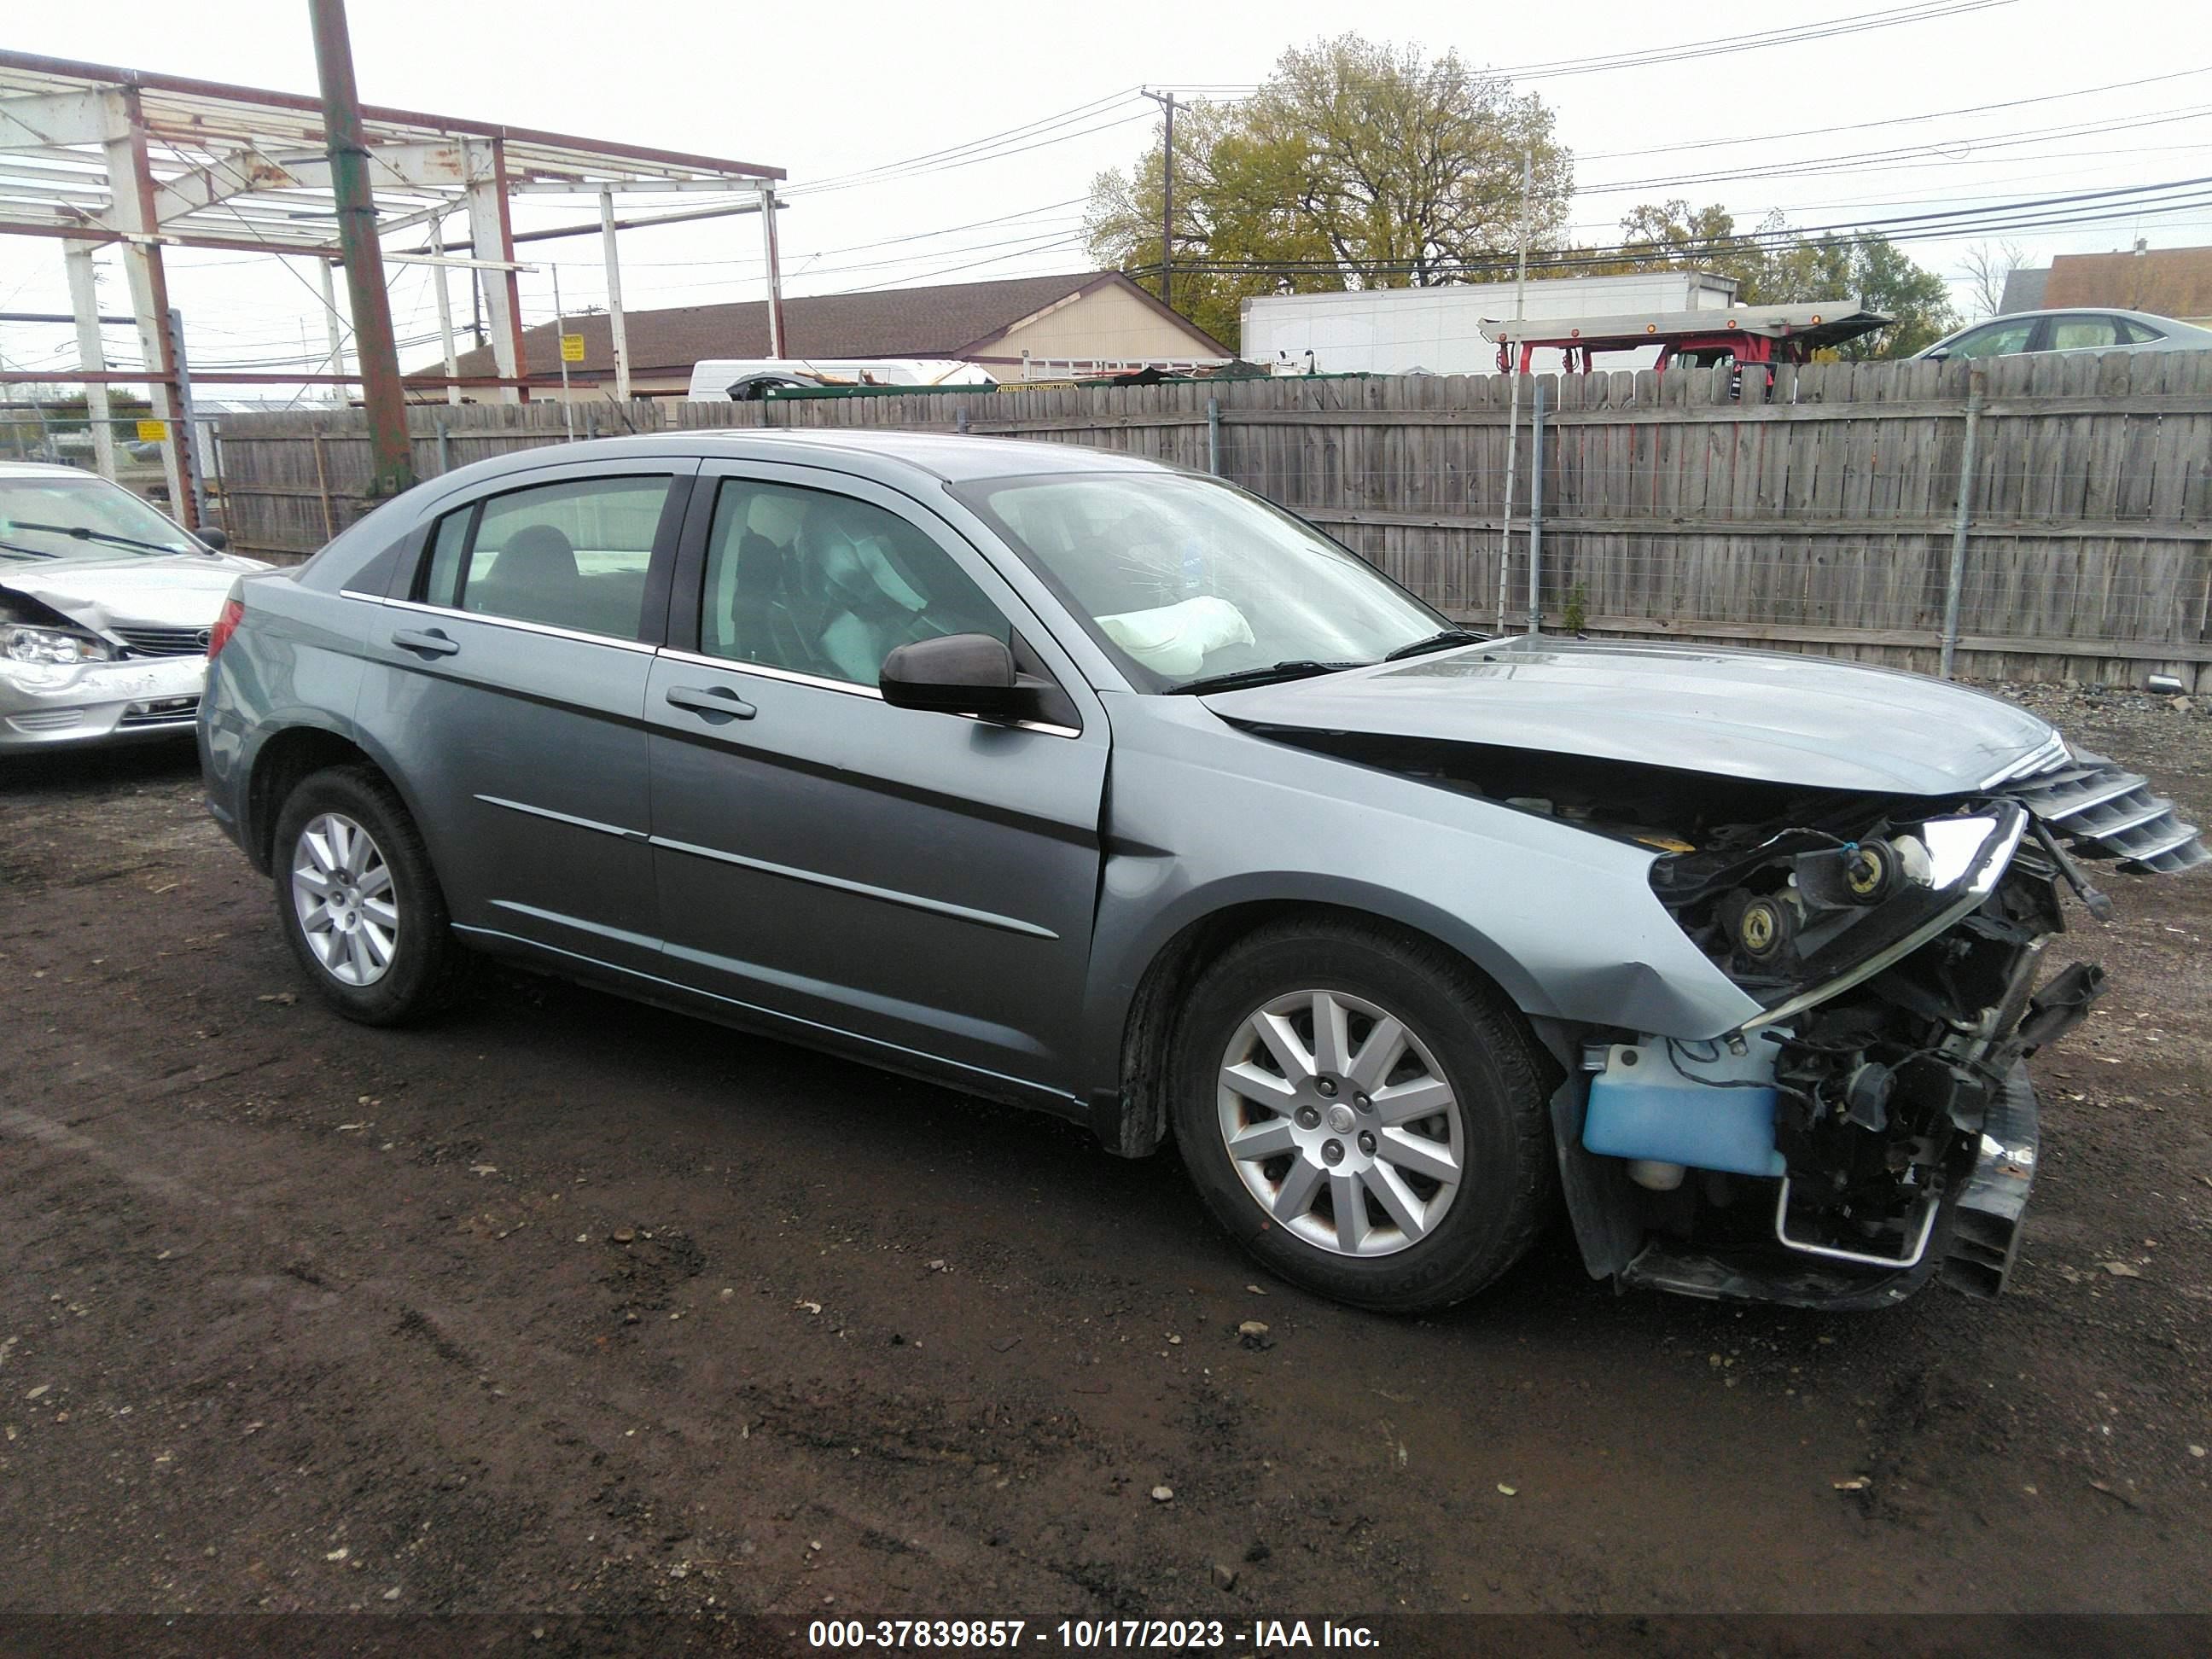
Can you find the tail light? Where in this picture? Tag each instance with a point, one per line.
(233, 612)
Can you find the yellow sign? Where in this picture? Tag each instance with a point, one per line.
(153, 432)
(572, 347)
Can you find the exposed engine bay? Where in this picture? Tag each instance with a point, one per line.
(1873, 1126)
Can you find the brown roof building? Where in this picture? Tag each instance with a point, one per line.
(1050, 326)
(2169, 281)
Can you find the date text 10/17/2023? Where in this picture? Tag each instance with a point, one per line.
(1259, 1636)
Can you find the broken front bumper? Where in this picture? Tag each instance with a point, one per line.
(1971, 1243)
(46, 705)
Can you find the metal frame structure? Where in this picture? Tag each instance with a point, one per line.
(93, 156)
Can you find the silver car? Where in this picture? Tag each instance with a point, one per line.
(1082, 782)
(105, 608)
(2069, 329)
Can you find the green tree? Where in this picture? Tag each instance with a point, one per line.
(1774, 267)
(1356, 165)
(1878, 272)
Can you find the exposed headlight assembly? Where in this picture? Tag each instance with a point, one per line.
(1802, 917)
(56, 646)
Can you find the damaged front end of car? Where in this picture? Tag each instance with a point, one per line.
(1872, 870)
(1873, 1126)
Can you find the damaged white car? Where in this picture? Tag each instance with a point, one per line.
(106, 610)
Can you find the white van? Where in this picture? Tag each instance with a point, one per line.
(713, 378)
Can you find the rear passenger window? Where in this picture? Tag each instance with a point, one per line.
(446, 549)
(568, 555)
(2083, 333)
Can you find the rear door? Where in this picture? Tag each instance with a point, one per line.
(512, 692)
(922, 883)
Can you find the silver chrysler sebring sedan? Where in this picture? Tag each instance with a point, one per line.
(1083, 782)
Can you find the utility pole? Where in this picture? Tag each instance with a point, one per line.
(1166, 101)
(374, 347)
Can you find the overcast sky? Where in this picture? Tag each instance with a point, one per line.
(834, 87)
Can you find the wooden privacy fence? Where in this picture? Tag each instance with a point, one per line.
(2051, 515)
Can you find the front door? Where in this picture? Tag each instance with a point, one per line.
(923, 884)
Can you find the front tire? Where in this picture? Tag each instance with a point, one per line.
(1364, 1113)
(359, 902)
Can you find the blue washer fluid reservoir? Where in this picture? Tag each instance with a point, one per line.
(1665, 1103)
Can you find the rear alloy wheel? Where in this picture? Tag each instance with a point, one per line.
(343, 893)
(359, 902)
(1364, 1112)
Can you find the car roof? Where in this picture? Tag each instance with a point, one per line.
(41, 469)
(2151, 318)
(951, 457)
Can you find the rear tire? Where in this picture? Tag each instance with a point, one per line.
(1388, 1110)
(359, 903)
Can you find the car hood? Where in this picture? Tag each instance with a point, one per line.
(185, 590)
(1791, 720)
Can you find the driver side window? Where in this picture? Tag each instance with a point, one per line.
(824, 584)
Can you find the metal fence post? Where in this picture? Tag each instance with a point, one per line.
(1213, 437)
(1955, 586)
(221, 485)
(1505, 517)
(1536, 513)
(323, 489)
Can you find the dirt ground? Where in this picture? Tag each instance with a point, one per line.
(565, 1306)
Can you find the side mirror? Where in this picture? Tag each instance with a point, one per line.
(956, 674)
(215, 540)
(1935, 357)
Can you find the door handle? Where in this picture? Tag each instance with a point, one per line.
(717, 703)
(428, 644)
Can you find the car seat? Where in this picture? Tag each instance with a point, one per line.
(533, 577)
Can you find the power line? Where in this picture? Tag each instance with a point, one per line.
(1930, 151)
(947, 270)
(1724, 46)
(971, 161)
(2097, 207)
(962, 153)
(1891, 121)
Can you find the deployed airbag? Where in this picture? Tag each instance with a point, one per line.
(1174, 638)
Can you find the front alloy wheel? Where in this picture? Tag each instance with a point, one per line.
(342, 889)
(1340, 1124)
(1363, 1111)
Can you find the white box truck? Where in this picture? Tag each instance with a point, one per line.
(1439, 330)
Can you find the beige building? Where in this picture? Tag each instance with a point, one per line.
(1020, 328)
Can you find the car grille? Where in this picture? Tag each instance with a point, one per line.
(161, 711)
(164, 641)
(2105, 812)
